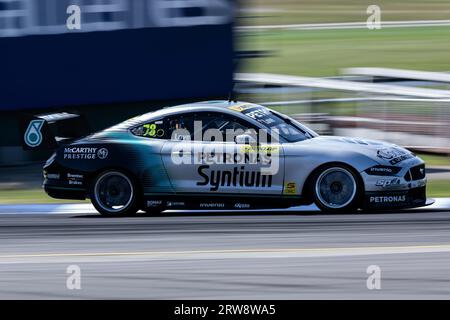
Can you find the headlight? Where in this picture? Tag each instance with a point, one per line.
(380, 170)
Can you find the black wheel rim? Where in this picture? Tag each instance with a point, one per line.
(114, 192)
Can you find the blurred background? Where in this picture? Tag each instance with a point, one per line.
(371, 69)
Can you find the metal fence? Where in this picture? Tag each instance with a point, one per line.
(423, 124)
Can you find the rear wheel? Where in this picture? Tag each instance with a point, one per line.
(337, 189)
(114, 194)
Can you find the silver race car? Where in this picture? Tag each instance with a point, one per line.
(230, 155)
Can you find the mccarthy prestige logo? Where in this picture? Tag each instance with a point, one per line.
(102, 153)
(85, 153)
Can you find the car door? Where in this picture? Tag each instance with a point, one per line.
(198, 161)
(151, 135)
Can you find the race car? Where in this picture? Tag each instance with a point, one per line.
(229, 155)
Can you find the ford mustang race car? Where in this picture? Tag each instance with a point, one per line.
(227, 155)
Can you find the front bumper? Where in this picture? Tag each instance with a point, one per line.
(412, 198)
(397, 187)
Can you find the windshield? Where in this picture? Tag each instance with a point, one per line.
(288, 128)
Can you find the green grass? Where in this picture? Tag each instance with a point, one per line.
(325, 52)
(19, 196)
(438, 188)
(261, 12)
(435, 160)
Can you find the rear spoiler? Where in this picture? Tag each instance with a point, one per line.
(47, 131)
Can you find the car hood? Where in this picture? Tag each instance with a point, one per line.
(382, 152)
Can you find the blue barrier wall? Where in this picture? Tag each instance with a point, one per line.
(159, 54)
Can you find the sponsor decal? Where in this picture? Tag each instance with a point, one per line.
(33, 135)
(290, 188)
(80, 153)
(189, 152)
(74, 176)
(49, 17)
(154, 203)
(393, 155)
(102, 153)
(381, 169)
(212, 205)
(175, 204)
(232, 158)
(388, 153)
(241, 107)
(400, 159)
(261, 115)
(153, 130)
(387, 182)
(242, 205)
(238, 177)
(54, 176)
(85, 153)
(387, 199)
(260, 149)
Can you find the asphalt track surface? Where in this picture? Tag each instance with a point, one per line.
(271, 255)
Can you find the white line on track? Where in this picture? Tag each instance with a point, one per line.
(220, 254)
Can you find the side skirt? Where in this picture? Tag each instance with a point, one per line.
(219, 202)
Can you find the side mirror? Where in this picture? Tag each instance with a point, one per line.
(245, 139)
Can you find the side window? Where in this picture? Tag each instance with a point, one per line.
(180, 127)
(183, 126)
(234, 124)
(155, 129)
(222, 124)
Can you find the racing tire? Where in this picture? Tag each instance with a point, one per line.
(114, 193)
(337, 189)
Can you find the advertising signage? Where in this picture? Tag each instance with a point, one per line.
(57, 53)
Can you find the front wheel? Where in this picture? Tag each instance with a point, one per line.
(114, 194)
(337, 189)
